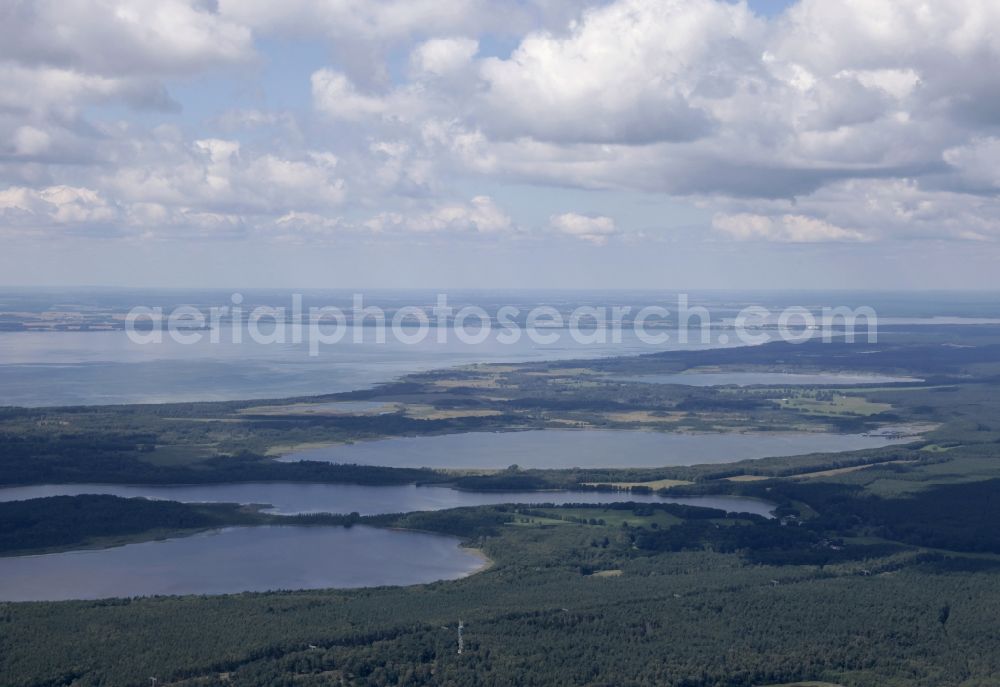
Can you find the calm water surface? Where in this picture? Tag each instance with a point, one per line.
(292, 498)
(559, 448)
(239, 559)
(94, 368)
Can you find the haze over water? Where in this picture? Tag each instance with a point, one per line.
(93, 368)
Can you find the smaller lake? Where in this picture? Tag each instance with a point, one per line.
(289, 498)
(764, 379)
(239, 559)
(568, 448)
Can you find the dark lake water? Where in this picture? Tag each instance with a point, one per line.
(291, 498)
(239, 559)
(558, 448)
(765, 378)
(262, 558)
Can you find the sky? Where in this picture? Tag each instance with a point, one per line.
(484, 144)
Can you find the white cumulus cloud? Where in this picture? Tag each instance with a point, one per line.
(852, 121)
(480, 215)
(443, 56)
(783, 228)
(596, 230)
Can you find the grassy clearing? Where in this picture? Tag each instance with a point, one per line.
(537, 521)
(230, 420)
(843, 471)
(927, 475)
(644, 416)
(319, 409)
(563, 372)
(493, 368)
(567, 423)
(420, 411)
(493, 382)
(837, 405)
(937, 448)
(282, 449)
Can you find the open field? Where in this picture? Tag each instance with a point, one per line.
(896, 545)
(835, 404)
(843, 471)
(312, 409)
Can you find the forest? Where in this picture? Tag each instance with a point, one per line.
(234, 441)
(879, 567)
(607, 599)
(60, 522)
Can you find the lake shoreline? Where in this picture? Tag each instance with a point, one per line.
(487, 562)
(589, 449)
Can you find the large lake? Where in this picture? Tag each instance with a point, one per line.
(568, 448)
(765, 379)
(93, 368)
(292, 498)
(46, 368)
(239, 559)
